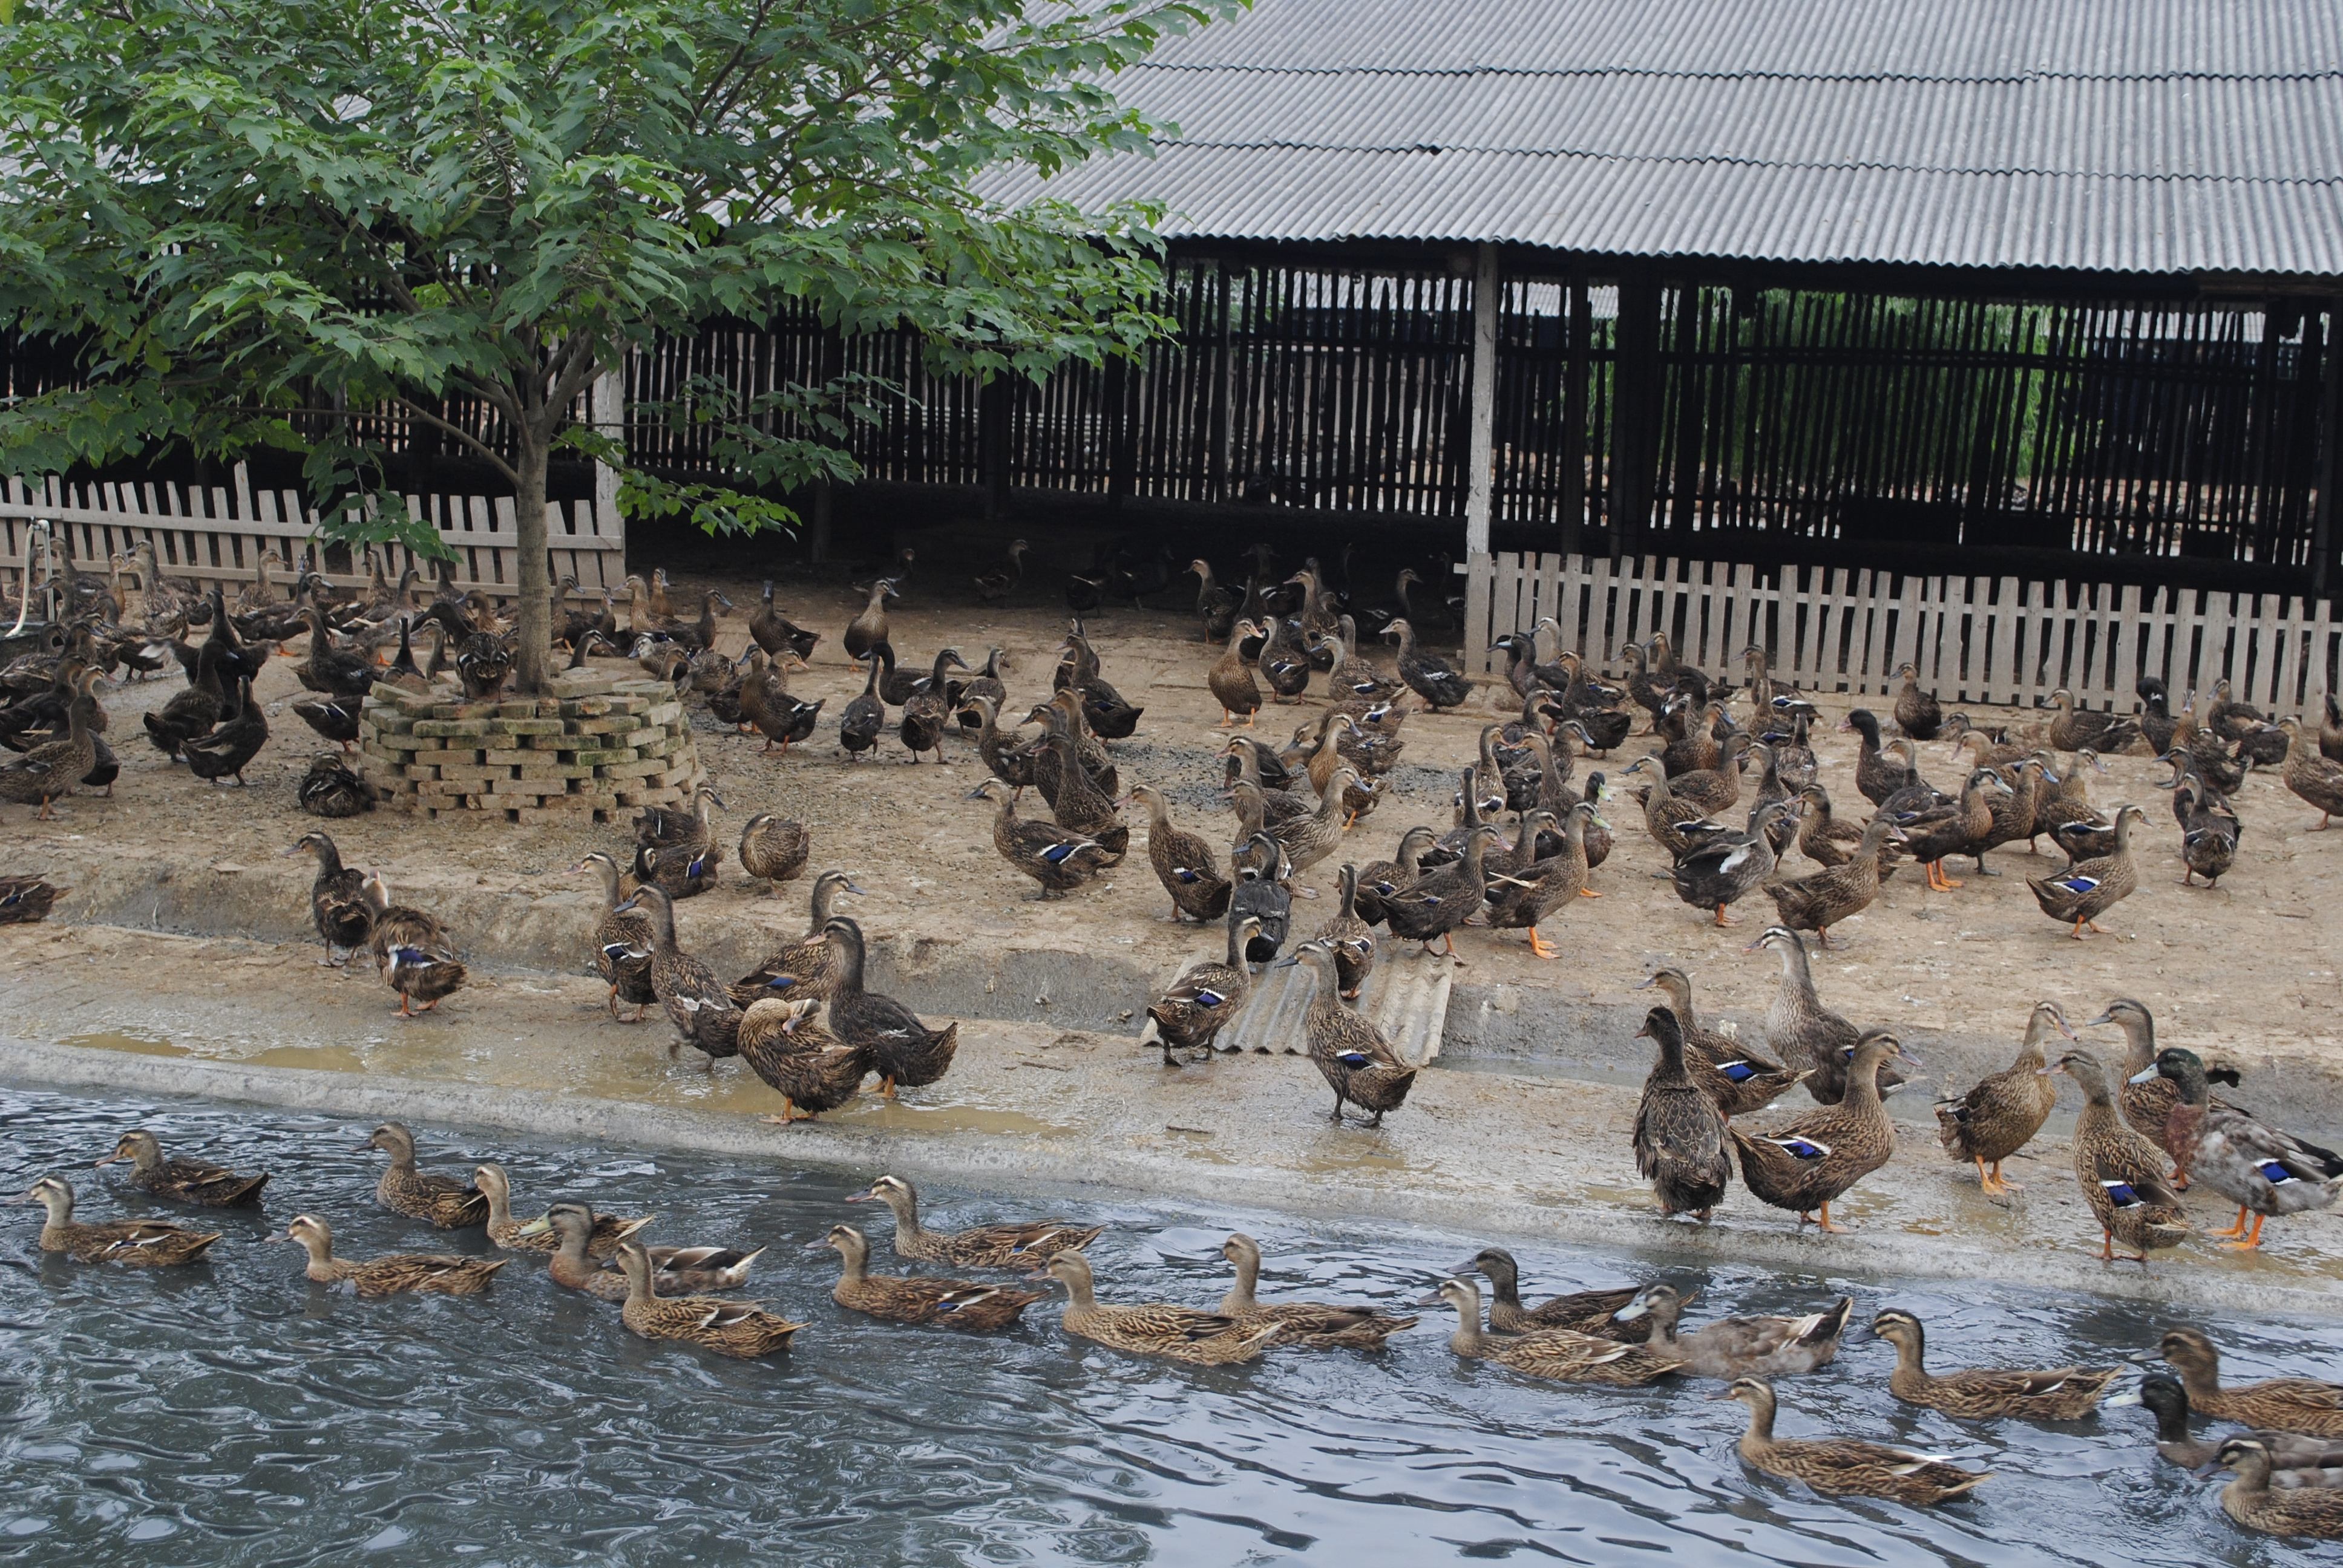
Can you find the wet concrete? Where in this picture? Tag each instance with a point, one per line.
(1486, 1152)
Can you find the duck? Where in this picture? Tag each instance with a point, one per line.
(862, 719)
(728, 1328)
(1022, 1244)
(1681, 1137)
(47, 773)
(905, 1052)
(2315, 1511)
(699, 1006)
(773, 713)
(131, 1243)
(2085, 891)
(2296, 1460)
(995, 586)
(1427, 675)
(985, 683)
(1440, 900)
(674, 1270)
(963, 1305)
(1379, 879)
(1182, 861)
(1281, 664)
(1078, 803)
(2146, 1099)
(2120, 1173)
(2298, 1404)
(690, 864)
(2056, 1394)
(1560, 1355)
(338, 907)
(1058, 859)
(1357, 1063)
(1204, 999)
(412, 952)
(449, 1204)
(335, 719)
(2311, 775)
(2072, 728)
(778, 635)
(1216, 604)
(1261, 896)
(1312, 1325)
(1352, 939)
(997, 748)
(1740, 1347)
(2003, 1112)
(333, 789)
(1723, 870)
(27, 899)
(397, 1274)
(1918, 714)
(808, 967)
(2209, 830)
(1172, 1333)
(1737, 1078)
(514, 1236)
(1811, 1164)
(1937, 832)
(809, 1068)
(868, 629)
(929, 708)
(1821, 899)
(1108, 714)
(1585, 1311)
(623, 940)
(184, 1180)
(1311, 839)
(1876, 776)
(1524, 896)
(1678, 826)
(774, 849)
(1845, 1466)
(2262, 1169)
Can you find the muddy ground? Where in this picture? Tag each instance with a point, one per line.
(2248, 968)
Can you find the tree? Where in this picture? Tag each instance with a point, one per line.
(259, 216)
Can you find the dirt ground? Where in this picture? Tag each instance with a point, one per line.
(2249, 966)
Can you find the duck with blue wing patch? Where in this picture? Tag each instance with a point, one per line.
(1725, 869)
(1205, 999)
(2085, 891)
(2001, 1115)
(1810, 1164)
(1680, 1138)
(2121, 1174)
(1182, 861)
(1357, 1063)
(1057, 857)
(411, 952)
(2263, 1171)
(622, 943)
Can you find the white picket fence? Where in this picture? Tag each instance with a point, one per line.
(222, 533)
(1999, 640)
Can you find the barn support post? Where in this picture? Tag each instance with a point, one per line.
(2330, 460)
(992, 445)
(1481, 447)
(1635, 410)
(1119, 450)
(1574, 416)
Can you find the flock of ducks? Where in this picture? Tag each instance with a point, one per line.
(2287, 1465)
(1727, 800)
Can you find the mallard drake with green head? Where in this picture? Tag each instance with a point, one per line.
(184, 1180)
(2001, 1115)
(131, 1243)
(1312, 1325)
(1358, 1064)
(1021, 1245)
(397, 1274)
(1182, 861)
(1811, 1164)
(2263, 1171)
(1845, 1466)
(443, 1201)
(2120, 1173)
(1681, 1136)
(1562, 1355)
(958, 1304)
(1740, 1347)
(1204, 999)
(1980, 1393)
(809, 1068)
(1173, 1333)
(2085, 891)
(728, 1328)
(338, 901)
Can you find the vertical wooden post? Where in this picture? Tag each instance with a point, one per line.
(1686, 511)
(992, 443)
(606, 406)
(1225, 386)
(2330, 453)
(1574, 416)
(1119, 448)
(1635, 402)
(1481, 444)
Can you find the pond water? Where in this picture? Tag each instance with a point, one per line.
(233, 1413)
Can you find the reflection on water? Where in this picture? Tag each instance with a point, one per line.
(232, 1413)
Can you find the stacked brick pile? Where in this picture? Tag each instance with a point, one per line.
(596, 747)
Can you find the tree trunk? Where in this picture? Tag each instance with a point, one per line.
(532, 618)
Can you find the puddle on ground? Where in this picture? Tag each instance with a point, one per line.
(136, 1044)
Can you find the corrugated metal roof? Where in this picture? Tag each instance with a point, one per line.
(2137, 135)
